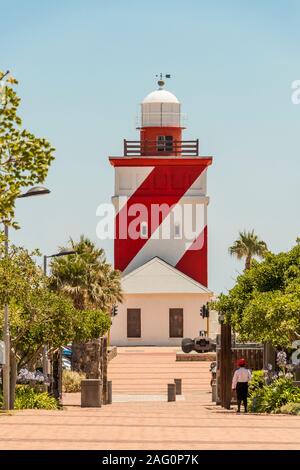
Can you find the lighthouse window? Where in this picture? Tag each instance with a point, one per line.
(144, 230)
(169, 143)
(161, 143)
(165, 143)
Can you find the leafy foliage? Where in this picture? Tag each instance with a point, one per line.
(290, 408)
(90, 324)
(24, 158)
(264, 304)
(37, 315)
(270, 398)
(28, 398)
(257, 381)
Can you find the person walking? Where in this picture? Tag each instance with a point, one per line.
(240, 381)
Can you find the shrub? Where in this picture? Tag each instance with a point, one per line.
(257, 381)
(290, 408)
(28, 398)
(256, 391)
(72, 381)
(271, 398)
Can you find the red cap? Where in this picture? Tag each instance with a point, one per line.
(241, 362)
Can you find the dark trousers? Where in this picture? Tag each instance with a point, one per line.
(242, 394)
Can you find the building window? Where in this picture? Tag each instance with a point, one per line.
(176, 322)
(177, 231)
(133, 323)
(165, 143)
(144, 230)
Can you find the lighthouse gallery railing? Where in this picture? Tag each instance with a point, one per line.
(151, 147)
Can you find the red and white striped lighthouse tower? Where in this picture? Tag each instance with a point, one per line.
(160, 193)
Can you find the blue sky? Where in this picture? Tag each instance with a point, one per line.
(84, 66)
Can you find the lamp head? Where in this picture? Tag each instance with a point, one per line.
(35, 191)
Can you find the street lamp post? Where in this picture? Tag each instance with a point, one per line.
(35, 191)
(63, 252)
(6, 339)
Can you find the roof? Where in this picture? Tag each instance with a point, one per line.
(136, 160)
(160, 96)
(158, 277)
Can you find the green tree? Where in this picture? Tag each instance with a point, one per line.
(39, 316)
(24, 158)
(264, 304)
(247, 246)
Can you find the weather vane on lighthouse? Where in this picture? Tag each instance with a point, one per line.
(161, 82)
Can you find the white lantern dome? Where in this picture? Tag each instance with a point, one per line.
(160, 96)
(160, 109)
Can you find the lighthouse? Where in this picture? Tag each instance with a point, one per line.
(160, 244)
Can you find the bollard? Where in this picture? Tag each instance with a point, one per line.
(91, 393)
(171, 392)
(178, 386)
(109, 392)
(214, 391)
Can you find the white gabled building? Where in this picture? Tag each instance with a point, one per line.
(161, 306)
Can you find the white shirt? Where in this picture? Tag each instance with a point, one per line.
(241, 375)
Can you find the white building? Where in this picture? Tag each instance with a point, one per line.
(161, 306)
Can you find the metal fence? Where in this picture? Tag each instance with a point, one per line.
(173, 147)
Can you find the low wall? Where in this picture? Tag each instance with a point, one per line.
(194, 356)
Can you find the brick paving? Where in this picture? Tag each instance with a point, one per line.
(192, 423)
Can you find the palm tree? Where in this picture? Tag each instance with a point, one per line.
(89, 280)
(247, 246)
(86, 277)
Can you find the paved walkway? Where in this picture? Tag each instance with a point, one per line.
(192, 423)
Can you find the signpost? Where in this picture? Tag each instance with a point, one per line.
(225, 366)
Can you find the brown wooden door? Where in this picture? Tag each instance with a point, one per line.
(133, 323)
(176, 322)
